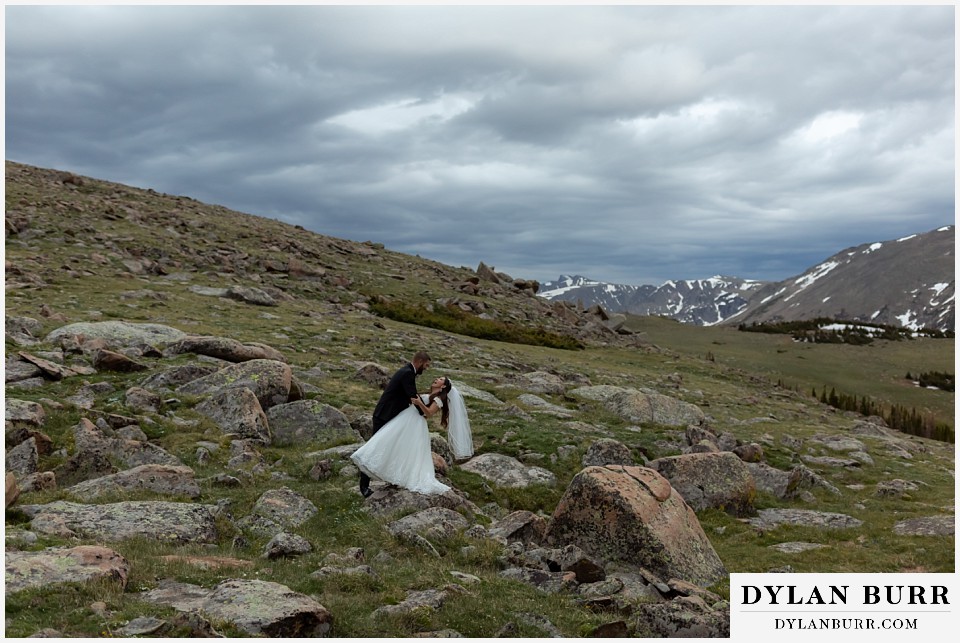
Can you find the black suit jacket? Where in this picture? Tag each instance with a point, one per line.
(396, 396)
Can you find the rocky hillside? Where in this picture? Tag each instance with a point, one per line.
(61, 226)
(908, 282)
(185, 384)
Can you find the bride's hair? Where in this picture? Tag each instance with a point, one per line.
(445, 408)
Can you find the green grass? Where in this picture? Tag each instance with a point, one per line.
(323, 328)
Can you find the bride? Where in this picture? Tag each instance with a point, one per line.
(399, 453)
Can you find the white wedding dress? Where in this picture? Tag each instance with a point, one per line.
(399, 453)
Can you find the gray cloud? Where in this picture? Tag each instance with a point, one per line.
(632, 143)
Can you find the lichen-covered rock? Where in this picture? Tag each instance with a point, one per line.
(520, 526)
(389, 500)
(926, 526)
(277, 510)
(607, 451)
(772, 518)
(22, 459)
(649, 407)
(174, 521)
(306, 421)
(710, 480)
(120, 334)
(225, 348)
(684, 617)
(504, 471)
(541, 383)
(633, 515)
(270, 381)
(258, 608)
(286, 544)
(787, 484)
(158, 478)
(28, 569)
(90, 439)
(238, 413)
(19, 412)
(435, 523)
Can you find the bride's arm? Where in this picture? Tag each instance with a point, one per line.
(430, 410)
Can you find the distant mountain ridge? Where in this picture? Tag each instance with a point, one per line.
(907, 282)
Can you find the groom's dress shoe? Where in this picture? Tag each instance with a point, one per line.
(366, 493)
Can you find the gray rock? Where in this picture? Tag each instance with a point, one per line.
(710, 480)
(285, 545)
(169, 521)
(505, 471)
(607, 451)
(119, 334)
(270, 381)
(307, 421)
(645, 408)
(237, 412)
(22, 412)
(926, 526)
(158, 478)
(29, 569)
(22, 459)
(773, 518)
(225, 348)
(256, 607)
(436, 523)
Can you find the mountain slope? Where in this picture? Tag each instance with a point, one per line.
(702, 302)
(907, 282)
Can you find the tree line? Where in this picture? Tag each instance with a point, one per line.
(897, 416)
(853, 332)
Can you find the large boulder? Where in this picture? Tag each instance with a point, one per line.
(29, 569)
(270, 381)
(710, 480)
(633, 515)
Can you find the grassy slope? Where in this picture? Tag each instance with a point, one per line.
(319, 329)
(876, 370)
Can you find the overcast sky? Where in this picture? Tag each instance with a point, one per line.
(630, 144)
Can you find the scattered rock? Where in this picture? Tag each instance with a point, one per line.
(773, 518)
(926, 526)
(175, 521)
(504, 471)
(29, 569)
(256, 607)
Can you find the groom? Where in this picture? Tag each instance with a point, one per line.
(395, 399)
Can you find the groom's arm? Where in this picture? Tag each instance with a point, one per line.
(410, 388)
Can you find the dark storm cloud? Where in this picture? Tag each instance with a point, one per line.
(632, 144)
